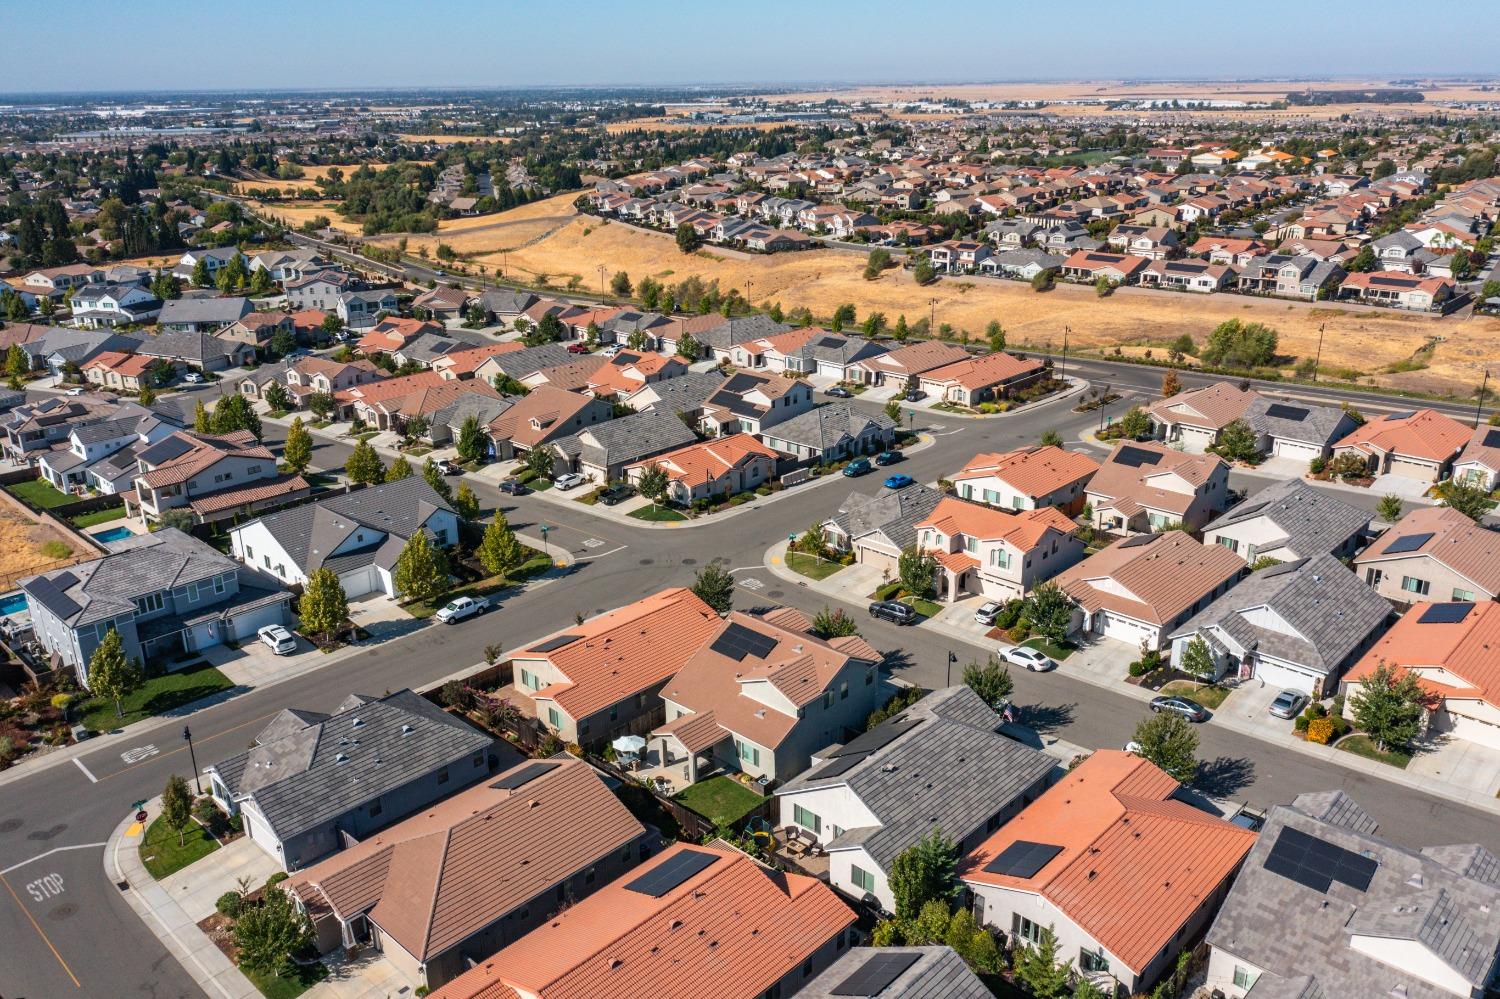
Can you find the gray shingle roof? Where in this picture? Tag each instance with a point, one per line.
(740, 329)
(520, 363)
(686, 393)
(894, 513)
(633, 437)
(939, 973)
(221, 311)
(195, 348)
(823, 427)
(301, 777)
(1309, 520)
(1314, 425)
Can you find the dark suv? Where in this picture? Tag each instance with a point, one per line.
(615, 493)
(894, 612)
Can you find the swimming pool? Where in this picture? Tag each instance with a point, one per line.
(12, 603)
(114, 534)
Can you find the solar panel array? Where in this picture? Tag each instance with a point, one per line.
(1409, 543)
(1280, 412)
(1400, 416)
(1139, 539)
(672, 872)
(1135, 457)
(737, 642)
(858, 749)
(52, 598)
(555, 643)
(1445, 613)
(525, 775)
(831, 342)
(876, 974)
(1317, 864)
(1022, 859)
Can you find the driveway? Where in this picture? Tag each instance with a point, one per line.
(1459, 762)
(198, 886)
(1407, 489)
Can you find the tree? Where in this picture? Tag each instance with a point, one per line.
(1044, 280)
(995, 334)
(915, 570)
(1238, 442)
(1104, 287)
(277, 397)
(991, 681)
(653, 483)
(620, 284)
(324, 608)
(269, 934)
(1198, 660)
(166, 286)
(1471, 501)
(331, 325)
(902, 331)
(843, 316)
(472, 445)
(1086, 989)
(1038, 968)
(1243, 345)
(893, 410)
(923, 272)
(878, 260)
(499, 550)
(1050, 612)
(434, 477)
(874, 324)
(17, 366)
(1389, 508)
(296, 453)
(1135, 424)
(1389, 706)
(111, 675)
(688, 239)
(177, 806)
(201, 277)
(363, 466)
(466, 504)
(1167, 740)
(147, 395)
(833, 624)
(398, 469)
(714, 586)
(973, 942)
(1051, 438)
(283, 341)
(201, 422)
(322, 405)
(922, 873)
(688, 348)
(1170, 384)
(540, 462)
(234, 412)
(260, 281)
(421, 569)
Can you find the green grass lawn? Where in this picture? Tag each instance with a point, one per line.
(40, 493)
(537, 563)
(924, 607)
(277, 414)
(1363, 745)
(722, 800)
(659, 514)
(366, 435)
(97, 517)
(1209, 697)
(320, 424)
(157, 695)
(811, 567)
(289, 985)
(162, 854)
(1046, 648)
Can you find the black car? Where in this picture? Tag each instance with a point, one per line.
(615, 493)
(914, 395)
(514, 487)
(894, 612)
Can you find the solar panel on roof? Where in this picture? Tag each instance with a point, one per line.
(672, 872)
(1400, 416)
(1281, 412)
(52, 598)
(831, 342)
(1445, 613)
(1023, 858)
(838, 766)
(876, 974)
(1491, 438)
(525, 775)
(1317, 864)
(1139, 539)
(879, 737)
(1135, 457)
(737, 642)
(1409, 543)
(555, 643)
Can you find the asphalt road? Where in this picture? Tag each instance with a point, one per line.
(83, 939)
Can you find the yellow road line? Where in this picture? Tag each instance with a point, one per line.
(45, 939)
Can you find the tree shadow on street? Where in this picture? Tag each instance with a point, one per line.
(1224, 776)
(1045, 718)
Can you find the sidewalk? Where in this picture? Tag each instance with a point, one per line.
(1103, 665)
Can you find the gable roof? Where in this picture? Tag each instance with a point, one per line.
(936, 973)
(823, 427)
(894, 513)
(1160, 576)
(1214, 406)
(633, 437)
(1460, 645)
(1448, 537)
(1034, 471)
(974, 373)
(1307, 520)
(541, 414)
(710, 459)
(1023, 529)
(1425, 433)
(1126, 481)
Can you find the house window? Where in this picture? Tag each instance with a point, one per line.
(1017, 502)
(1029, 931)
(827, 698)
(862, 879)
(478, 759)
(806, 819)
(1229, 543)
(149, 604)
(1464, 595)
(999, 558)
(869, 676)
(554, 718)
(192, 593)
(220, 585)
(253, 470)
(1092, 961)
(1244, 978)
(992, 497)
(1411, 584)
(750, 754)
(844, 690)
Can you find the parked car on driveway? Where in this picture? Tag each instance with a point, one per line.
(456, 610)
(278, 639)
(568, 480)
(193, 378)
(615, 493)
(578, 347)
(859, 466)
(894, 612)
(515, 487)
(1185, 706)
(914, 395)
(449, 468)
(898, 481)
(989, 612)
(1288, 704)
(1037, 662)
(838, 392)
(888, 457)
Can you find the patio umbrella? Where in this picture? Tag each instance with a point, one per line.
(629, 744)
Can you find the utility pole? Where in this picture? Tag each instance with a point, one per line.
(1479, 409)
(187, 736)
(932, 317)
(1063, 372)
(601, 283)
(1319, 359)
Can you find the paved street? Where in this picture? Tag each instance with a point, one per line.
(68, 932)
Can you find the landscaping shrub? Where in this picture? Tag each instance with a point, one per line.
(1317, 465)
(1010, 614)
(1300, 723)
(276, 879)
(229, 904)
(1138, 668)
(1320, 730)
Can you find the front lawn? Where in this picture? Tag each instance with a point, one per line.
(1209, 697)
(97, 517)
(1363, 745)
(1048, 648)
(157, 695)
(489, 586)
(39, 493)
(162, 854)
(722, 800)
(811, 566)
(659, 514)
(288, 985)
(923, 606)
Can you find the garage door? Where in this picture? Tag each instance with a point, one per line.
(1295, 449)
(1280, 676)
(1412, 470)
(1121, 628)
(831, 369)
(246, 624)
(360, 581)
(1469, 729)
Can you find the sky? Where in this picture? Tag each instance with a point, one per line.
(171, 45)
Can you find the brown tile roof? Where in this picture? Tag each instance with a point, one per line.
(1425, 434)
(1024, 529)
(433, 880)
(1153, 580)
(1455, 541)
(974, 373)
(1214, 406)
(538, 416)
(256, 492)
(709, 459)
(917, 358)
(1130, 488)
(205, 451)
(1135, 863)
(733, 929)
(1034, 471)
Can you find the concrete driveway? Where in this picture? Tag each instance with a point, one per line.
(1459, 762)
(1400, 485)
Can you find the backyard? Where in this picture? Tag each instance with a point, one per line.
(28, 546)
(158, 695)
(98, 517)
(722, 799)
(163, 855)
(39, 493)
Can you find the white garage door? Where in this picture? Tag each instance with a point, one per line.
(831, 368)
(245, 625)
(1295, 449)
(1280, 676)
(1122, 628)
(360, 581)
(1470, 729)
(1412, 470)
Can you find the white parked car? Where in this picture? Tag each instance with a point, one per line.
(456, 610)
(611, 350)
(76, 391)
(1030, 659)
(278, 639)
(568, 480)
(987, 614)
(192, 378)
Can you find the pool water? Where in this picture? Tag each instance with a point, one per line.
(114, 534)
(12, 603)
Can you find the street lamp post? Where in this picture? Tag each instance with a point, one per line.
(545, 550)
(1479, 407)
(951, 660)
(1319, 359)
(187, 736)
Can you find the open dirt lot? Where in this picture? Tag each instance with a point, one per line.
(821, 280)
(21, 542)
(311, 174)
(500, 232)
(295, 214)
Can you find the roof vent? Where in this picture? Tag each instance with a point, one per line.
(615, 963)
(676, 924)
(406, 730)
(341, 758)
(1416, 881)
(357, 722)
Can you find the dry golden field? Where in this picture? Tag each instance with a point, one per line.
(453, 140)
(294, 214)
(21, 543)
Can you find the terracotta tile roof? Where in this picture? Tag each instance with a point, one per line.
(917, 358)
(203, 451)
(1131, 488)
(436, 878)
(1135, 863)
(975, 373)
(710, 458)
(697, 732)
(1023, 529)
(1483, 448)
(1154, 580)
(1214, 406)
(733, 929)
(388, 388)
(617, 655)
(627, 372)
(1425, 434)
(571, 375)
(257, 492)
(1034, 471)
(1453, 659)
(788, 342)
(1453, 540)
(120, 363)
(463, 362)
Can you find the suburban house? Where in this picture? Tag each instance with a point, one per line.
(1197, 276)
(450, 885)
(1478, 464)
(166, 593)
(981, 379)
(1193, 418)
(319, 289)
(601, 453)
(815, 351)
(693, 920)
(217, 477)
(749, 403)
(54, 349)
(1433, 553)
(307, 376)
(543, 415)
(1000, 554)
(391, 333)
(363, 309)
(201, 315)
(762, 694)
(1141, 589)
(907, 971)
(1290, 520)
(719, 340)
(465, 363)
(97, 306)
(1122, 870)
(721, 466)
(1297, 430)
(35, 427)
(517, 364)
(1398, 290)
(359, 535)
(1091, 265)
(1027, 478)
(442, 303)
(213, 259)
(1302, 276)
(1419, 445)
(598, 678)
(941, 764)
(830, 433)
(285, 265)
(1146, 486)
(904, 365)
(88, 443)
(1295, 625)
(258, 329)
(310, 782)
(202, 351)
(879, 526)
(1323, 906)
